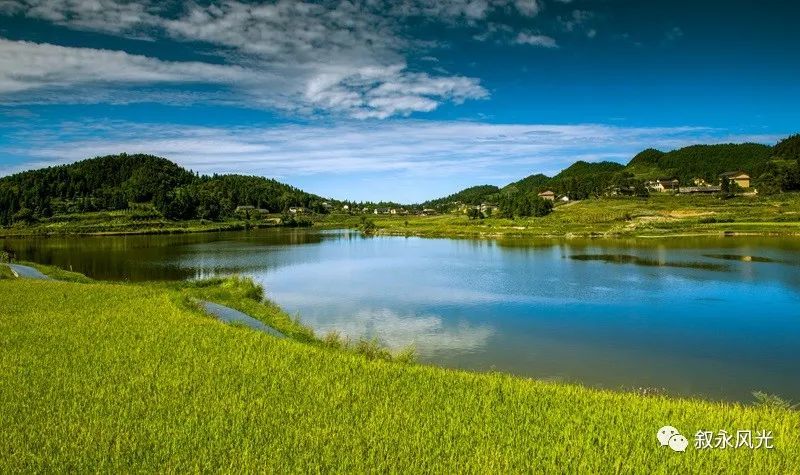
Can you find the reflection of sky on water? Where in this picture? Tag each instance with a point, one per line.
(518, 306)
(428, 334)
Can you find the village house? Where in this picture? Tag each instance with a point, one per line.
(346, 208)
(548, 195)
(663, 184)
(563, 198)
(381, 211)
(428, 212)
(488, 208)
(297, 210)
(741, 178)
(699, 189)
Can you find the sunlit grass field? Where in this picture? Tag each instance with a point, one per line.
(133, 378)
(125, 222)
(656, 216)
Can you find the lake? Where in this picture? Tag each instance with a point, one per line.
(710, 317)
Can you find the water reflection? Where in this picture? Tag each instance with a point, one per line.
(428, 334)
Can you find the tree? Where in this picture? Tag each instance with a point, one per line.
(24, 215)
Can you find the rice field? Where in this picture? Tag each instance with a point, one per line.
(128, 378)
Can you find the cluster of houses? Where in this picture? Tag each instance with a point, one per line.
(551, 196)
(699, 185)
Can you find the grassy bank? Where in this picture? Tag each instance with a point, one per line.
(112, 377)
(658, 215)
(127, 222)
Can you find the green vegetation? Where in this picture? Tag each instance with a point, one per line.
(701, 161)
(143, 219)
(143, 194)
(129, 378)
(659, 215)
(149, 187)
(524, 205)
(788, 148)
(472, 196)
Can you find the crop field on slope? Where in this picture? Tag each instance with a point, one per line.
(660, 215)
(109, 377)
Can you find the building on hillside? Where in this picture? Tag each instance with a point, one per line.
(548, 195)
(488, 208)
(241, 209)
(428, 212)
(563, 198)
(615, 190)
(699, 189)
(297, 210)
(741, 178)
(381, 211)
(346, 208)
(663, 184)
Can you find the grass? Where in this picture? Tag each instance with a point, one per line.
(660, 215)
(5, 272)
(133, 378)
(657, 216)
(127, 222)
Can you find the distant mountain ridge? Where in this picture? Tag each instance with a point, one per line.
(583, 179)
(117, 182)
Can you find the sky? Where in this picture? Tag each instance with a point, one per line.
(402, 100)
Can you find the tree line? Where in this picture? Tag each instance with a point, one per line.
(119, 182)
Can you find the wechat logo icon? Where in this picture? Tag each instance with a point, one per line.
(670, 436)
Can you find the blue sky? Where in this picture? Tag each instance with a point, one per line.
(403, 100)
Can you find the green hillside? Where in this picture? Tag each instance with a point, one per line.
(473, 195)
(119, 182)
(788, 148)
(701, 161)
(773, 169)
(528, 184)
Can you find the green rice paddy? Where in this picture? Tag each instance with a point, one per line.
(134, 378)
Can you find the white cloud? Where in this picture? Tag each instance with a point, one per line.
(575, 20)
(25, 66)
(347, 58)
(413, 148)
(673, 34)
(534, 39)
(527, 7)
(50, 73)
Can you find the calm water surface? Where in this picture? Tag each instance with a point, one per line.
(713, 317)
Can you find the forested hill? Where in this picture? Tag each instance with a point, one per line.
(773, 169)
(118, 181)
(701, 161)
(579, 180)
(472, 195)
